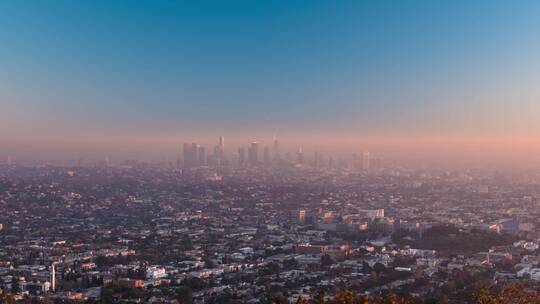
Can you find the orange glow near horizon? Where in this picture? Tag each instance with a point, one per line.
(481, 150)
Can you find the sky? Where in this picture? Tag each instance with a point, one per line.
(138, 78)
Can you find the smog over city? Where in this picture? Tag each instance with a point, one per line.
(324, 152)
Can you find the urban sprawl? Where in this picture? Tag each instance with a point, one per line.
(254, 226)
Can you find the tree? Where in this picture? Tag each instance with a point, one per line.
(366, 268)
(290, 263)
(15, 284)
(107, 295)
(379, 267)
(208, 263)
(301, 300)
(279, 298)
(6, 298)
(326, 260)
(194, 283)
(184, 295)
(511, 293)
(347, 297)
(319, 298)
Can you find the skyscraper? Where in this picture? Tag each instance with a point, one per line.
(253, 154)
(219, 149)
(365, 161)
(300, 156)
(277, 154)
(222, 145)
(191, 155)
(201, 156)
(242, 156)
(194, 161)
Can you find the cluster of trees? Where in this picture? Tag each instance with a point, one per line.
(450, 239)
(108, 261)
(6, 298)
(112, 294)
(349, 297)
(510, 293)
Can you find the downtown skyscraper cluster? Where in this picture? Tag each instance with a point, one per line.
(256, 155)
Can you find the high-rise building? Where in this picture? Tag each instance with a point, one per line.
(242, 156)
(201, 156)
(277, 154)
(219, 149)
(222, 145)
(194, 160)
(191, 155)
(266, 156)
(253, 154)
(300, 156)
(365, 161)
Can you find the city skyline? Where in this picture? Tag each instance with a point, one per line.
(269, 152)
(440, 152)
(450, 81)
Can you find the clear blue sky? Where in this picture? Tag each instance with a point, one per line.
(351, 67)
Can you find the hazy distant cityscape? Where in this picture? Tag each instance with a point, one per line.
(269, 152)
(261, 225)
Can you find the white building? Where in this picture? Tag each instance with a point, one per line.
(155, 272)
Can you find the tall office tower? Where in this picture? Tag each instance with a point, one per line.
(242, 156)
(277, 154)
(222, 145)
(365, 161)
(219, 149)
(266, 156)
(190, 155)
(316, 160)
(9, 160)
(253, 153)
(201, 156)
(194, 154)
(300, 156)
(53, 277)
